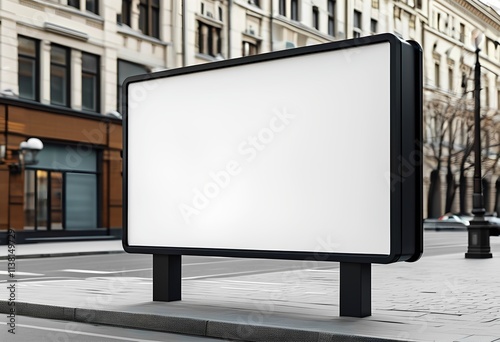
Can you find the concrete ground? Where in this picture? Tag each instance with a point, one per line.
(439, 298)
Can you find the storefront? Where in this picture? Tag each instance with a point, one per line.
(73, 192)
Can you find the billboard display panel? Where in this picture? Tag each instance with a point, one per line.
(283, 155)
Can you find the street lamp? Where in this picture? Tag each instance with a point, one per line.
(28, 150)
(478, 229)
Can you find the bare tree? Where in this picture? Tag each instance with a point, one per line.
(449, 126)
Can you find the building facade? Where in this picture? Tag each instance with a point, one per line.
(63, 63)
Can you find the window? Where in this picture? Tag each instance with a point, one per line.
(450, 79)
(282, 7)
(90, 82)
(254, 2)
(74, 3)
(373, 26)
(464, 82)
(331, 17)
(59, 76)
(436, 74)
(315, 17)
(126, 12)
(249, 49)
(90, 5)
(28, 68)
(418, 4)
(208, 39)
(357, 25)
(126, 69)
(295, 10)
(221, 14)
(149, 17)
(397, 12)
(59, 194)
(462, 33)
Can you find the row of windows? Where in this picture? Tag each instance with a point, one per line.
(466, 84)
(208, 41)
(60, 75)
(331, 7)
(447, 24)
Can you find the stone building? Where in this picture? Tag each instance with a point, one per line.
(62, 63)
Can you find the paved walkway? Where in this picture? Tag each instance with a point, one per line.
(36, 250)
(439, 298)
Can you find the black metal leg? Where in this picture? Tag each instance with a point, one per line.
(166, 277)
(355, 289)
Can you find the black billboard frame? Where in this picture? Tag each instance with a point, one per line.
(406, 202)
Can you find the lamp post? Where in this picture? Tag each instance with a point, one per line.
(478, 229)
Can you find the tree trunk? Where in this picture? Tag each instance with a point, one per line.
(434, 200)
(463, 194)
(486, 194)
(450, 191)
(497, 196)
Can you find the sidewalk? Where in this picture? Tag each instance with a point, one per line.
(439, 298)
(37, 250)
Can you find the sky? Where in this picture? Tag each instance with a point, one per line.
(493, 3)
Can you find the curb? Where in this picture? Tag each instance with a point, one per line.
(182, 325)
(50, 255)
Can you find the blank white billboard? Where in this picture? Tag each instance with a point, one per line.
(284, 155)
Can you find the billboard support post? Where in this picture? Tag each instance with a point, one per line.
(166, 278)
(355, 289)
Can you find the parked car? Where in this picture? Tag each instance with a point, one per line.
(451, 221)
(446, 222)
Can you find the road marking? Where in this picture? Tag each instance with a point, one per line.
(209, 262)
(21, 273)
(69, 332)
(239, 281)
(236, 273)
(42, 281)
(105, 272)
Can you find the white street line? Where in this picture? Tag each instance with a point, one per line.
(209, 262)
(230, 274)
(105, 272)
(239, 281)
(42, 281)
(21, 273)
(70, 332)
(86, 271)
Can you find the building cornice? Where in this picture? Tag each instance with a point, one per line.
(295, 25)
(480, 11)
(12, 101)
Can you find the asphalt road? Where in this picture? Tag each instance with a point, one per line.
(194, 267)
(30, 329)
